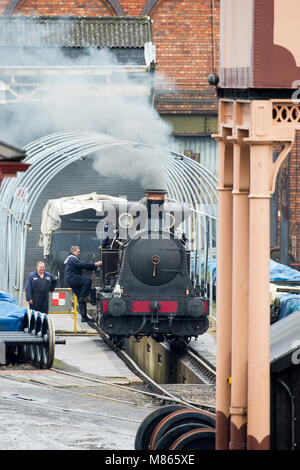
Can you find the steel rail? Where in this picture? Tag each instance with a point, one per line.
(76, 411)
(131, 364)
(103, 382)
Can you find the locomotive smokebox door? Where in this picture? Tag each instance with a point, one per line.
(162, 257)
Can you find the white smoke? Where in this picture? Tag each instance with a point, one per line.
(109, 103)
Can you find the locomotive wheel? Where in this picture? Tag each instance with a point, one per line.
(118, 341)
(26, 321)
(32, 326)
(144, 432)
(171, 436)
(38, 332)
(48, 347)
(42, 355)
(184, 416)
(111, 325)
(23, 350)
(196, 439)
(179, 343)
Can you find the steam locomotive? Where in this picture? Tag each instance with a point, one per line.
(145, 286)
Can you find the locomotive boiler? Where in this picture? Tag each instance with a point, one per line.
(146, 288)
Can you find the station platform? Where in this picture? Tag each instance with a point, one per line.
(206, 346)
(87, 353)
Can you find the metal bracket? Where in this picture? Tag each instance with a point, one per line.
(238, 411)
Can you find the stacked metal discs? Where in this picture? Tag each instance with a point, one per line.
(177, 428)
(35, 344)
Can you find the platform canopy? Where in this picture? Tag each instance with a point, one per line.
(10, 160)
(11, 153)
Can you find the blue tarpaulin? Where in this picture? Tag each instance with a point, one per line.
(289, 303)
(11, 316)
(278, 272)
(281, 272)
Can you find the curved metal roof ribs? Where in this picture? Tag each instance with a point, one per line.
(186, 181)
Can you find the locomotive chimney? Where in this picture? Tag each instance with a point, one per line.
(155, 195)
(155, 200)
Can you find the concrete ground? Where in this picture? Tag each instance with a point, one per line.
(87, 352)
(82, 403)
(36, 417)
(51, 410)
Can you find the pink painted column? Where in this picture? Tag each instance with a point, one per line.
(224, 286)
(258, 430)
(240, 286)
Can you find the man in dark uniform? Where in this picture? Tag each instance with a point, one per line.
(106, 237)
(38, 285)
(80, 284)
(109, 236)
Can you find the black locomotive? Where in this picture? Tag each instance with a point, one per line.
(146, 288)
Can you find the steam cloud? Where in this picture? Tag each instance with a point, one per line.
(73, 102)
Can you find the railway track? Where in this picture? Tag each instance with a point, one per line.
(152, 432)
(204, 371)
(156, 431)
(190, 358)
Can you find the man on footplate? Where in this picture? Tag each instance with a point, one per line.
(80, 284)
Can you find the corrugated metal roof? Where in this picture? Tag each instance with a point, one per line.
(42, 31)
(205, 146)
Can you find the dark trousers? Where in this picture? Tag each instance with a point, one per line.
(40, 304)
(81, 286)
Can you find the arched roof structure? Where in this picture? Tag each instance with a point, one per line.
(115, 4)
(148, 6)
(186, 181)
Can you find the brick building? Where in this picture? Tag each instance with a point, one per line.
(185, 34)
(186, 37)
